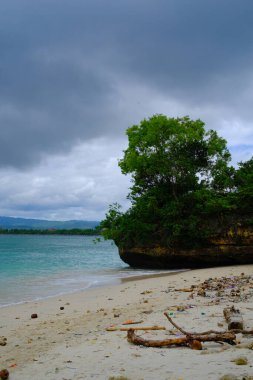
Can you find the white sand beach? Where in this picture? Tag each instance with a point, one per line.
(73, 343)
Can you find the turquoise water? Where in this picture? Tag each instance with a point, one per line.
(34, 267)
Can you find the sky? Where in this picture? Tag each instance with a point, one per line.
(74, 75)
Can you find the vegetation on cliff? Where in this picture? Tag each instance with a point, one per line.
(184, 188)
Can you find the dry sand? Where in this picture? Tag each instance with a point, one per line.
(73, 343)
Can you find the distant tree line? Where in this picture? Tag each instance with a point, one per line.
(51, 231)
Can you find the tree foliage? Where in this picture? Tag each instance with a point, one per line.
(244, 185)
(180, 179)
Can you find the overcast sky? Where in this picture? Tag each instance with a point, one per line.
(75, 74)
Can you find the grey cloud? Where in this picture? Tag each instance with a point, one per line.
(77, 185)
(64, 66)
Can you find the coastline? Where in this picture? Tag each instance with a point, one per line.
(73, 343)
(153, 275)
(93, 282)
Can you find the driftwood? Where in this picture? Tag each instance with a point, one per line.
(235, 331)
(233, 318)
(192, 333)
(189, 339)
(144, 328)
(194, 341)
(132, 338)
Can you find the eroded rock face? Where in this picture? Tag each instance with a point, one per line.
(234, 247)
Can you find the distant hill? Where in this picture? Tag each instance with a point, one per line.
(22, 223)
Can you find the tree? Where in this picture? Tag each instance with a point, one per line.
(175, 153)
(179, 173)
(244, 186)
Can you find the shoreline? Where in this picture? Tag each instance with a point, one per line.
(73, 343)
(103, 284)
(155, 275)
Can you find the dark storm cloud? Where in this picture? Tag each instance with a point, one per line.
(64, 64)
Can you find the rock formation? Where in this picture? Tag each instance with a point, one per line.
(232, 247)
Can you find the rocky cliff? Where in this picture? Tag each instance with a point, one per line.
(234, 246)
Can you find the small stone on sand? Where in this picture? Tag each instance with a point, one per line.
(4, 374)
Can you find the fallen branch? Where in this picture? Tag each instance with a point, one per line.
(192, 333)
(190, 339)
(175, 325)
(194, 341)
(235, 331)
(132, 338)
(144, 328)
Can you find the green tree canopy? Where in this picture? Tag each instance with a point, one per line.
(180, 176)
(174, 153)
(244, 185)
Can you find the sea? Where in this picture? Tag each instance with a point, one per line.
(35, 267)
